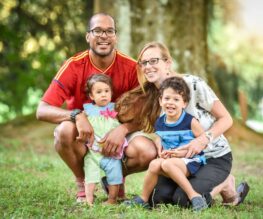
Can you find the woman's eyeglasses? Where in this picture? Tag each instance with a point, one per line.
(152, 61)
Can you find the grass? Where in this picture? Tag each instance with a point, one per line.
(35, 183)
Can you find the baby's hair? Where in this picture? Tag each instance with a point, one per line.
(97, 77)
(178, 85)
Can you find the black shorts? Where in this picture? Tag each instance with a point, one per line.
(207, 177)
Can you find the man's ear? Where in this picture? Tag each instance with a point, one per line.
(87, 37)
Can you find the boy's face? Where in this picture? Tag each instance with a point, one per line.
(172, 104)
(101, 93)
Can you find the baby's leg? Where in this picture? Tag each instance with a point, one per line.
(89, 190)
(176, 169)
(113, 194)
(151, 178)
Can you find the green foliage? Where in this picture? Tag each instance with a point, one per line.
(35, 37)
(236, 63)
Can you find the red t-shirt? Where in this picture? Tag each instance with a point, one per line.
(69, 83)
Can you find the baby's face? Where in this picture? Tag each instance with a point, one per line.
(101, 93)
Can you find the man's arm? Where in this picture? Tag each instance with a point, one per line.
(53, 114)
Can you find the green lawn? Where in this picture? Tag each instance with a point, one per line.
(35, 183)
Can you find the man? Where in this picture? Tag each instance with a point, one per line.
(74, 129)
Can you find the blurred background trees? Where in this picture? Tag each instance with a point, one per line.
(37, 36)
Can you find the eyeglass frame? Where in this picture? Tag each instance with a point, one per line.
(144, 63)
(103, 31)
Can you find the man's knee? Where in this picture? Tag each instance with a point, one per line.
(64, 135)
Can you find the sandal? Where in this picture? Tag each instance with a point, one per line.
(81, 196)
(242, 191)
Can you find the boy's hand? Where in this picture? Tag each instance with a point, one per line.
(177, 153)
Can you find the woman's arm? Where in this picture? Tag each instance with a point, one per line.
(223, 119)
(223, 122)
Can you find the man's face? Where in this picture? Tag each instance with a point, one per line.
(101, 37)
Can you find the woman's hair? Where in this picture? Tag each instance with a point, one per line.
(141, 105)
(178, 85)
(97, 77)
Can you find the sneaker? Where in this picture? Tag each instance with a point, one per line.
(199, 203)
(104, 185)
(137, 201)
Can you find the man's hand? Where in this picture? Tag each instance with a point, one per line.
(85, 130)
(113, 141)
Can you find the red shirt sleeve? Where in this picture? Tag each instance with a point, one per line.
(60, 88)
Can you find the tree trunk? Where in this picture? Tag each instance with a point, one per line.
(181, 25)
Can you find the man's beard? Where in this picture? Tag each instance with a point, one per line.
(100, 54)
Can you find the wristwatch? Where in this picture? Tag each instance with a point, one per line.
(73, 114)
(209, 136)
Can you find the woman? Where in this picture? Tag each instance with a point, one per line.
(141, 106)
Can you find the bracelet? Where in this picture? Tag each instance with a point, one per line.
(200, 141)
(209, 136)
(73, 114)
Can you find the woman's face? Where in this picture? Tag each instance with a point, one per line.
(154, 67)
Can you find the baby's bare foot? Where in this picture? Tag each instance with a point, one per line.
(110, 202)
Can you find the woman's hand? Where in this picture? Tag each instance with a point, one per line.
(194, 147)
(113, 141)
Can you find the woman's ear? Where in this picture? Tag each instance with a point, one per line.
(169, 64)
